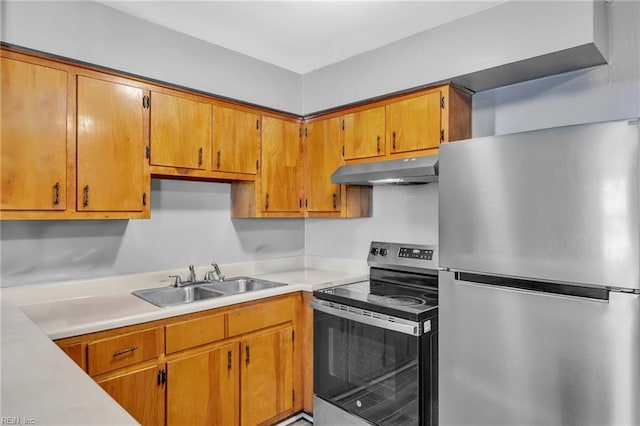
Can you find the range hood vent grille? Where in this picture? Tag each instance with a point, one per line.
(407, 171)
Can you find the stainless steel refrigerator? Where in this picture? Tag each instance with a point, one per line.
(539, 298)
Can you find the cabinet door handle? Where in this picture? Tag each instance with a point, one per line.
(378, 143)
(334, 201)
(85, 203)
(200, 155)
(229, 356)
(266, 203)
(393, 140)
(218, 160)
(56, 193)
(247, 354)
(124, 351)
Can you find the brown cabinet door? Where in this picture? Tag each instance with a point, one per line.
(267, 376)
(322, 158)
(139, 393)
(180, 131)
(236, 140)
(281, 166)
(414, 124)
(363, 134)
(33, 140)
(110, 146)
(203, 389)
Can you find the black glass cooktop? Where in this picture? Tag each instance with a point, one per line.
(409, 296)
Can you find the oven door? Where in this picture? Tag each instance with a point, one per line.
(366, 366)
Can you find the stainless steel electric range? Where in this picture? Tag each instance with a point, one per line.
(376, 342)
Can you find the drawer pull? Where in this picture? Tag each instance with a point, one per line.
(124, 351)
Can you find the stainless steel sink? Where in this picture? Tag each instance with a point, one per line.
(238, 285)
(192, 292)
(169, 296)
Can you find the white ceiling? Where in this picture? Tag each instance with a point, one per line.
(301, 35)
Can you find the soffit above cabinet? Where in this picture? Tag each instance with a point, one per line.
(510, 43)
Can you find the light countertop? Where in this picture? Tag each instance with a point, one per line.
(40, 382)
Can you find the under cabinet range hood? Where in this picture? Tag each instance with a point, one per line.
(406, 171)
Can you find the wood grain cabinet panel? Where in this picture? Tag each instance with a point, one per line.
(281, 175)
(192, 333)
(363, 134)
(321, 159)
(203, 389)
(258, 316)
(124, 350)
(236, 140)
(180, 131)
(140, 393)
(33, 140)
(111, 147)
(414, 124)
(267, 376)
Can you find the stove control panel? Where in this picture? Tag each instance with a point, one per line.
(415, 253)
(403, 256)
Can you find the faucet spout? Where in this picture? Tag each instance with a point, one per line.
(218, 273)
(192, 274)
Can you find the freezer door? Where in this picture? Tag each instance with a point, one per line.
(518, 357)
(557, 204)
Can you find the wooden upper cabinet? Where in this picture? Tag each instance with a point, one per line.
(236, 140)
(281, 166)
(321, 159)
(267, 376)
(110, 147)
(414, 124)
(180, 131)
(33, 140)
(363, 133)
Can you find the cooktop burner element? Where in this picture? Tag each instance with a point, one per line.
(403, 300)
(403, 282)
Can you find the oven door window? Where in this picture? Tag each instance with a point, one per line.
(366, 370)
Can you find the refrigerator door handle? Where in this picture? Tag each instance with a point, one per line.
(598, 293)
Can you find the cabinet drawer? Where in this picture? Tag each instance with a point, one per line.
(121, 351)
(195, 332)
(259, 316)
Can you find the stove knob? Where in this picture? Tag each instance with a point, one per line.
(383, 252)
(374, 251)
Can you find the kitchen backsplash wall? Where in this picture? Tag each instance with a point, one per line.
(401, 213)
(190, 224)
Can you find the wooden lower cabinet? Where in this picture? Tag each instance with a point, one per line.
(139, 392)
(266, 376)
(203, 389)
(229, 366)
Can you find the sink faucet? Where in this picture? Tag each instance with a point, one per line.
(192, 274)
(218, 273)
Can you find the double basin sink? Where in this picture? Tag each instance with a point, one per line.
(193, 292)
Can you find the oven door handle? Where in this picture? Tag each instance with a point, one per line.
(383, 321)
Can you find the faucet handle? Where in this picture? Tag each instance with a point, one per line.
(208, 276)
(177, 280)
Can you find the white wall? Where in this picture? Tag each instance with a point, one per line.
(600, 93)
(190, 221)
(190, 224)
(97, 34)
(494, 39)
(406, 214)
(401, 213)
